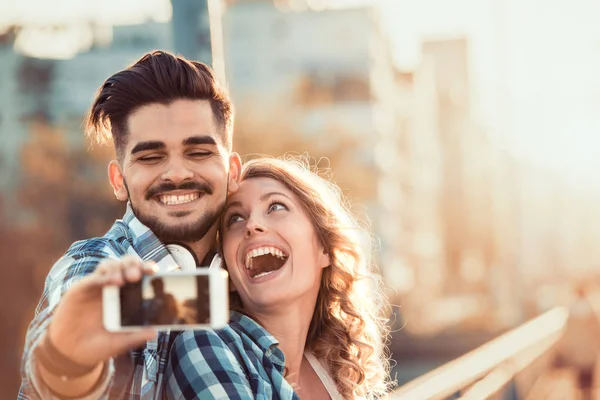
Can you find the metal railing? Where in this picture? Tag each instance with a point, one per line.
(483, 372)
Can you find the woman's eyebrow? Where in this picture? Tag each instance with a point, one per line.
(269, 194)
(237, 203)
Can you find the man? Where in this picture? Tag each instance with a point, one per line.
(171, 125)
(162, 308)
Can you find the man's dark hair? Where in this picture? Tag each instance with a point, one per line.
(157, 77)
(157, 284)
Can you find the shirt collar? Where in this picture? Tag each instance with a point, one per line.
(265, 341)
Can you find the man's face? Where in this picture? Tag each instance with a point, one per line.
(174, 170)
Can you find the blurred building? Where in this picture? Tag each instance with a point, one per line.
(58, 93)
(191, 29)
(328, 78)
(12, 134)
(76, 80)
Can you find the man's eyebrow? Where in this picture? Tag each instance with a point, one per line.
(195, 140)
(149, 145)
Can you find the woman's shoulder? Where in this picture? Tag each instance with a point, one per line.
(241, 333)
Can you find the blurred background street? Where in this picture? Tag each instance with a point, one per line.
(466, 132)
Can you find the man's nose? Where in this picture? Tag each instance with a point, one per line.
(177, 171)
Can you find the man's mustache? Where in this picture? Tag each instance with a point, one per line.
(165, 187)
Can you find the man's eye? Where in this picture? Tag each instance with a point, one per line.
(150, 158)
(277, 207)
(200, 154)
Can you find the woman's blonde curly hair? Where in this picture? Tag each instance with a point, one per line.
(348, 330)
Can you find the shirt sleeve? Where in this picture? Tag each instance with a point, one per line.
(68, 270)
(202, 366)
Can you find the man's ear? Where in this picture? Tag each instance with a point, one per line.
(235, 168)
(115, 175)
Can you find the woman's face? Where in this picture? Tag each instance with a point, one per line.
(270, 246)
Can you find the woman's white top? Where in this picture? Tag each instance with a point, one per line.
(324, 376)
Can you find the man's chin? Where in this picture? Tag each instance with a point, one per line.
(182, 232)
(180, 214)
(180, 226)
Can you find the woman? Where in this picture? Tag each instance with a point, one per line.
(306, 319)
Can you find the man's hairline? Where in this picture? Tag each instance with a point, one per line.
(221, 127)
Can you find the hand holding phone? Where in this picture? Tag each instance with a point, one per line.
(174, 300)
(77, 330)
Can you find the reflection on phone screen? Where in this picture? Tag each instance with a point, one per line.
(166, 300)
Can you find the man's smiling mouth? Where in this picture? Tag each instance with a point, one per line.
(169, 199)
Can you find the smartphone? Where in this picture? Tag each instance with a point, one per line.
(177, 300)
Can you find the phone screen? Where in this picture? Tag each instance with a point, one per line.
(166, 300)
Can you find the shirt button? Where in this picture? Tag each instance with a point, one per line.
(268, 353)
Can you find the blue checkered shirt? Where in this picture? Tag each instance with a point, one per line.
(240, 361)
(137, 375)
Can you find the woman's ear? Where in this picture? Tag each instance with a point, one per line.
(115, 176)
(324, 260)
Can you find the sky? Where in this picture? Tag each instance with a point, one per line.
(533, 63)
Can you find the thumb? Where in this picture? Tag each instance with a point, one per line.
(131, 340)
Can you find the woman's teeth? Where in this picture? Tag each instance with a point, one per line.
(263, 274)
(261, 251)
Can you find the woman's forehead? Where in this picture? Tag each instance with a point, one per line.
(256, 187)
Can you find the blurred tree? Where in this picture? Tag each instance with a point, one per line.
(63, 197)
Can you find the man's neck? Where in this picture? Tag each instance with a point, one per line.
(201, 248)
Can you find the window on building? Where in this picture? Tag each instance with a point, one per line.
(318, 89)
(35, 76)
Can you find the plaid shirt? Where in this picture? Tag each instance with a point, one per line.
(240, 361)
(137, 375)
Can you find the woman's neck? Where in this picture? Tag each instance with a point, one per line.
(289, 326)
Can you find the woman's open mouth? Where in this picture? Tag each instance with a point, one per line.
(263, 261)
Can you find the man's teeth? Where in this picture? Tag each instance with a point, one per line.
(172, 199)
(261, 251)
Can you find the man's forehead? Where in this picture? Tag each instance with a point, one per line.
(172, 123)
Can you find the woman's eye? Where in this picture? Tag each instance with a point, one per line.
(277, 207)
(233, 219)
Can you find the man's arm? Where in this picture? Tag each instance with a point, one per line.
(201, 366)
(69, 316)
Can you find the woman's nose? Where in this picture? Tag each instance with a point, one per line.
(253, 227)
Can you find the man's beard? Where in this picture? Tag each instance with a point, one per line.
(187, 233)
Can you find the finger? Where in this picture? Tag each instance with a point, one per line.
(150, 268)
(132, 274)
(132, 269)
(105, 266)
(114, 274)
(131, 262)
